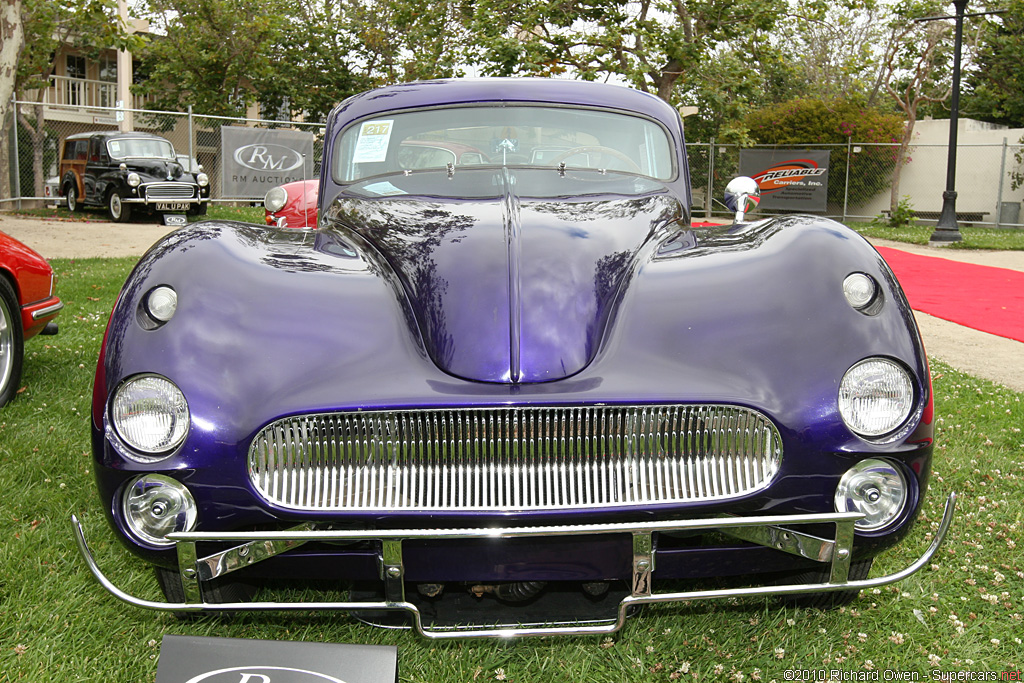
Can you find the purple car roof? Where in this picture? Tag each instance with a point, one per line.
(526, 90)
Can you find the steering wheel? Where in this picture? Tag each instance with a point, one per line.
(597, 149)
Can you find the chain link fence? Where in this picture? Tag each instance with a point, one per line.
(990, 180)
(989, 177)
(29, 159)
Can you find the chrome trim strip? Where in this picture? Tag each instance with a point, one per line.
(391, 558)
(49, 310)
(512, 216)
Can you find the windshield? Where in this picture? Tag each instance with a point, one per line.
(146, 148)
(503, 136)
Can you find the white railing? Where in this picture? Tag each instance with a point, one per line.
(80, 92)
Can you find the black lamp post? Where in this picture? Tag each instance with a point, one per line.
(946, 229)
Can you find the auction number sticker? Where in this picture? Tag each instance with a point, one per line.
(372, 145)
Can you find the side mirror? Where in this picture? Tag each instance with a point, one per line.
(742, 195)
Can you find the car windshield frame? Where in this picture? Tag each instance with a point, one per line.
(140, 148)
(463, 137)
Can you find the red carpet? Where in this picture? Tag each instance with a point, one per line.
(982, 297)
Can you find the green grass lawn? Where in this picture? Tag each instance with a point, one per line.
(57, 623)
(973, 238)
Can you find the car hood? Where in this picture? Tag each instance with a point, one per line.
(508, 288)
(158, 168)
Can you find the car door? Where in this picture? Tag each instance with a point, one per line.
(73, 163)
(95, 168)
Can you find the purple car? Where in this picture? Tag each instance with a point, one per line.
(512, 390)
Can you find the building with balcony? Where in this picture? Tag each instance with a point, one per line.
(83, 83)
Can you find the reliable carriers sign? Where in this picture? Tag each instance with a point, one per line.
(790, 179)
(258, 159)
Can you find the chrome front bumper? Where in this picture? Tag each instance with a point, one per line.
(152, 200)
(771, 531)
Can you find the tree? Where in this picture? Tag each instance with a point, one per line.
(654, 45)
(86, 25)
(210, 53)
(834, 53)
(294, 57)
(409, 40)
(308, 69)
(334, 48)
(12, 40)
(916, 61)
(994, 90)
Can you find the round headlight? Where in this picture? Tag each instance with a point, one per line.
(859, 290)
(155, 505)
(276, 198)
(876, 488)
(150, 414)
(161, 303)
(875, 397)
(134, 179)
(202, 179)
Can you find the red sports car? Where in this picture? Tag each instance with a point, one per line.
(293, 205)
(27, 308)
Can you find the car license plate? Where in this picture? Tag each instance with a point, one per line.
(172, 206)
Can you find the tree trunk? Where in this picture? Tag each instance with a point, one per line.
(5, 160)
(665, 80)
(37, 136)
(12, 39)
(901, 159)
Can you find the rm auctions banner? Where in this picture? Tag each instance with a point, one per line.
(257, 159)
(790, 179)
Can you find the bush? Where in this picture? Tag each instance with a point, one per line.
(902, 217)
(806, 123)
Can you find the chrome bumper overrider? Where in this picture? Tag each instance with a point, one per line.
(771, 531)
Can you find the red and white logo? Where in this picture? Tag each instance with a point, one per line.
(787, 173)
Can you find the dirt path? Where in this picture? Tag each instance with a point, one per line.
(82, 239)
(984, 355)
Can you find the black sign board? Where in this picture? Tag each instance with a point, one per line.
(790, 179)
(193, 659)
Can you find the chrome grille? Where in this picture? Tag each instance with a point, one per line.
(169, 191)
(514, 458)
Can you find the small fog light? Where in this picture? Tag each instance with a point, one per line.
(876, 488)
(161, 303)
(150, 414)
(860, 290)
(155, 505)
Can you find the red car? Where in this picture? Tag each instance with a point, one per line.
(27, 308)
(293, 205)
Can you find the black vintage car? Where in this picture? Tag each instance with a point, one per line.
(126, 172)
